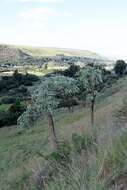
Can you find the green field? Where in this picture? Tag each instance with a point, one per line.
(4, 107)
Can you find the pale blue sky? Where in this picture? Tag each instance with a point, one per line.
(96, 25)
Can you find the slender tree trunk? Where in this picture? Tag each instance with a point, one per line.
(69, 109)
(69, 106)
(53, 138)
(92, 111)
(72, 109)
(84, 103)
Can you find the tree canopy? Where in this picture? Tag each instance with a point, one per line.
(120, 67)
(47, 96)
(90, 79)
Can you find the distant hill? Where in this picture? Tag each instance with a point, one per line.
(25, 55)
(47, 51)
(11, 54)
(16, 52)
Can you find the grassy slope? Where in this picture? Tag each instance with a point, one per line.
(4, 107)
(45, 51)
(20, 149)
(53, 51)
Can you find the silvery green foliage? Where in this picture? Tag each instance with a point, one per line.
(90, 78)
(29, 116)
(23, 120)
(45, 97)
(66, 85)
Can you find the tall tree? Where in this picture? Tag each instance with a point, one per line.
(120, 67)
(91, 78)
(45, 99)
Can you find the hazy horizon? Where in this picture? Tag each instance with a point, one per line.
(97, 26)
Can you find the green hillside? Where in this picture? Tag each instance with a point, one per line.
(10, 53)
(52, 51)
(60, 51)
(21, 150)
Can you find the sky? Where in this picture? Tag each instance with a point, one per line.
(95, 25)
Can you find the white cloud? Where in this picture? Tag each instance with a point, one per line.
(42, 1)
(38, 13)
(33, 1)
(42, 14)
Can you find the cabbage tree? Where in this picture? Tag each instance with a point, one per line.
(45, 99)
(90, 78)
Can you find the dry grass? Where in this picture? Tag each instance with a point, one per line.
(20, 150)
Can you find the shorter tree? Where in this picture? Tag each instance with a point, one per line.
(46, 66)
(120, 67)
(45, 99)
(71, 71)
(90, 78)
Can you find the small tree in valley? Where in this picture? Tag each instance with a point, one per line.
(120, 67)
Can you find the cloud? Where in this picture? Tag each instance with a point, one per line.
(38, 13)
(40, 23)
(42, 14)
(38, 19)
(33, 1)
(42, 1)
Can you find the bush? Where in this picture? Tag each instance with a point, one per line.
(17, 108)
(63, 154)
(17, 76)
(10, 117)
(12, 82)
(67, 103)
(81, 142)
(71, 71)
(22, 89)
(120, 67)
(27, 83)
(8, 100)
(4, 116)
(32, 78)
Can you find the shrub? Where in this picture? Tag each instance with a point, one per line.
(63, 153)
(17, 76)
(27, 83)
(3, 118)
(71, 71)
(8, 100)
(120, 67)
(17, 108)
(10, 117)
(81, 142)
(67, 102)
(22, 89)
(12, 82)
(32, 78)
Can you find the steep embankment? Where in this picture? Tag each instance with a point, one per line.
(10, 54)
(20, 150)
